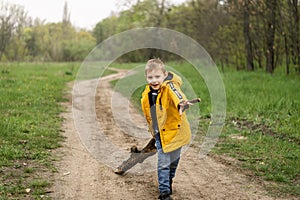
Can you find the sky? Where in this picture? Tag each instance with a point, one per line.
(83, 13)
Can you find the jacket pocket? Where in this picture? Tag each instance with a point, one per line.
(169, 135)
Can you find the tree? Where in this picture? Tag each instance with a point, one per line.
(79, 47)
(98, 32)
(66, 14)
(12, 19)
(247, 36)
(271, 6)
(294, 27)
(229, 39)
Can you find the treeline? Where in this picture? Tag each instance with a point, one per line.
(25, 39)
(245, 34)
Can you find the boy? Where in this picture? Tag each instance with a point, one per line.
(163, 104)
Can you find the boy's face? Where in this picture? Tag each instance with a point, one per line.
(155, 78)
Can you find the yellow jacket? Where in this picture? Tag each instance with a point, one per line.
(174, 129)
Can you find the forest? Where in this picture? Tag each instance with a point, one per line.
(241, 34)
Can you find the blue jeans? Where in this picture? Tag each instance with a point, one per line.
(166, 167)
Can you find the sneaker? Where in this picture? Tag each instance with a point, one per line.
(164, 196)
(119, 171)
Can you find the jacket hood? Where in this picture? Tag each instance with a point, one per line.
(172, 77)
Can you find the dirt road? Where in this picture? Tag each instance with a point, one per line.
(81, 176)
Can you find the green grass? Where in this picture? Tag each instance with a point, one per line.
(30, 124)
(263, 110)
(269, 107)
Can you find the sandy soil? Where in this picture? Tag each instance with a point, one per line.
(81, 175)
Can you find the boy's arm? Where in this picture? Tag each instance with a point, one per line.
(175, 93)
(184, 104)
(179, 98)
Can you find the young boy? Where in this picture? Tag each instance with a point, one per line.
(163, 104)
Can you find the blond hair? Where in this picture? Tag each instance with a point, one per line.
(155, 63)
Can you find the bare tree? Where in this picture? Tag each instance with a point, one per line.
(66, 14)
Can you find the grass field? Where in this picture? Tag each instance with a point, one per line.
(30, 125)
(263, 112)
(261, 131)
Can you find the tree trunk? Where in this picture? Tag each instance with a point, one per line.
(271, 25)
(293, 33)
(154, 52)
(247, 37)
(286, 55)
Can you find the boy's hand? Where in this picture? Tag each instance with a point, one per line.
(185, 104)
